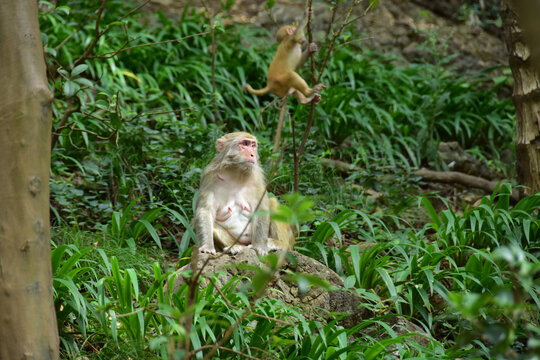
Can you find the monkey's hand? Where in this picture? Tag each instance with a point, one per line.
(208, 249)
(234, 249)
(260, 249)
(312, 48)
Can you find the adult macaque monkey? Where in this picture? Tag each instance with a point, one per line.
(232, 188)
(282, 79)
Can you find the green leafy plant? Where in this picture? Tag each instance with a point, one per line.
(71, 272)
(127, 227)
(491, 224)
(498, 319)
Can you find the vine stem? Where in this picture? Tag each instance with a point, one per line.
(298, 153)
(316, 79)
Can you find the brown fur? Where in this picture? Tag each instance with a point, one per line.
(282, 79)
(230, 190)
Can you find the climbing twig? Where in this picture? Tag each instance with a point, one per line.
(280, 125)
(316, 79)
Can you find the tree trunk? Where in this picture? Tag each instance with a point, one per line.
(28, 328)
(526, 72)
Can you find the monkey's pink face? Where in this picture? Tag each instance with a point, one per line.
(291, 30)
(249, 150)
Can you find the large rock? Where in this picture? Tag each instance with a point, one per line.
(313, 301)
(316, 303)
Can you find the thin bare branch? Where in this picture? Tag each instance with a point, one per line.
(211, 14)
(116, 52)
(335, 36)
(176, 111)
(74, 129)
(332, 19)
(62, 125)
(298, 153)
(97, 35)
(134, 10)
(316, 79)
(65, 40)
(295, 157)
(280, 125)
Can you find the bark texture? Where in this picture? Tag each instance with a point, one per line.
(526, 72)
(28, 328)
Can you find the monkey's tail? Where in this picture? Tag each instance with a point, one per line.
(258, 92)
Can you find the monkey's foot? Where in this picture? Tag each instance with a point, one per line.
(274, 246)
(234, 249)
(261, 250)
(319, 87)
(315, 98)
(207, 250)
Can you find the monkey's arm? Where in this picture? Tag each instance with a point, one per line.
(305, 55)
(204, 222)
(299, 32)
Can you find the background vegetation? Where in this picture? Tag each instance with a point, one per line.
(135, 120)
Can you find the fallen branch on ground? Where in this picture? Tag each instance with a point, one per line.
(447, 177)
(454, 177)
(339, 165)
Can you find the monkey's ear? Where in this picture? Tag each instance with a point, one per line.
(290, 30)
(220, 145)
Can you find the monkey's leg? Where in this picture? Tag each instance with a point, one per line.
(278, 245)
(281, 234)
(203, 224)
(225, 241)
(303, 92)
(306, 100)
(299, 84)
(260, 226)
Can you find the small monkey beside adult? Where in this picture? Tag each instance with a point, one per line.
(232, 188)
(282, 78)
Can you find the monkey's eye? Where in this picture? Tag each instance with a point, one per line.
(245, 142)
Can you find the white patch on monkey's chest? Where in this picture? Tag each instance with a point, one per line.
(233, 211)
(294, 56)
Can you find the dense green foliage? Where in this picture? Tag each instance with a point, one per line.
(136, 127)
